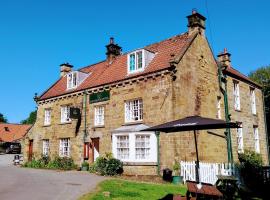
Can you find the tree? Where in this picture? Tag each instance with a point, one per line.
(262, 76)
(3, 118)
(31, 118)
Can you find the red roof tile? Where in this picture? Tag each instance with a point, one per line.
(104, 73)
(238, 75)
(12, 132)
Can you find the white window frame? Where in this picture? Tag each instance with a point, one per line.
(219, 107)
(136, 61)
(72, 80)
(134, 110)
(47, 116)
(45, 147)
(236, 94)
(65, 114)
(253, 101)
(256, 139)
(64, 147)
(99, 115)
(152, 157)
(240, 140)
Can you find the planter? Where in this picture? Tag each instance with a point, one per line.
(177, 180)
(85, 168)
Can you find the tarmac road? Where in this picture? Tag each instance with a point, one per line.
(36, 184)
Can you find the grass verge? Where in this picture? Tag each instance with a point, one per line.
(130, 190)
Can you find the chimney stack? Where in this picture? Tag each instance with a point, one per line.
(196, 23)
(65, 68)
(225, 58)
(113, 50)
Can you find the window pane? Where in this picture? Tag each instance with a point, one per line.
(142, 145)
(139, 60)
(123, 147)
(132, 62)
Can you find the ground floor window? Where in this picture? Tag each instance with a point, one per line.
(135, 146)
(45, 148)
(256, 139)
(64, 148)
(240, 141)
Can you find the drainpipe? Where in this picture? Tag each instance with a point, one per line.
(84, 107)
(222, 78)
(265, 126)
(158, 159)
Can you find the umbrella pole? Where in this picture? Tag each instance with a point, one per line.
(197, 157)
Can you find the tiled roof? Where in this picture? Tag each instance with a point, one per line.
(238, 75)
(104, 73)
(12, 132)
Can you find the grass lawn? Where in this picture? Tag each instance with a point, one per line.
(130, 190)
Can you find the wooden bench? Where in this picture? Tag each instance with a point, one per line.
(207, 191)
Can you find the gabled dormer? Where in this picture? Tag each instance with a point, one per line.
(138, 60)
(74, 79)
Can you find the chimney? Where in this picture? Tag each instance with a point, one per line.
(225, 58)
(65, 68)
(196, 23)
(6, 128)
(113, 50)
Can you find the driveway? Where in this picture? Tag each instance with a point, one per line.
(32, 184)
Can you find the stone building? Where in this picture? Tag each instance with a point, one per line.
(128, 92)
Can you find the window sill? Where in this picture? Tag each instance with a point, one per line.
(133, 123)
(255, 115)
(237, 110)
(99, 126)
(140, 163)
(63, 123)
(46, 125)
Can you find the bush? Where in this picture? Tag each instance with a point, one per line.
(58, 163)
(250, 165)
(108, 165)
(85, 164)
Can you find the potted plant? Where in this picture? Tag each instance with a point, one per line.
(177, 179)
(85, 166)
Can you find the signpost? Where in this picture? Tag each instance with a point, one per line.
(100, 96)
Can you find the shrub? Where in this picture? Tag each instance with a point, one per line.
(250, 165)
(108, 165)
(85, 164)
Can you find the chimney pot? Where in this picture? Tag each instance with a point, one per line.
(225, 58)
(196, 23)
(111, 40)
(113, 50)
(65, 68)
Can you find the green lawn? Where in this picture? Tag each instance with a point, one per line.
(129, 190)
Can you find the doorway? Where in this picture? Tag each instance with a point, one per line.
(95, 148)
(30, 150)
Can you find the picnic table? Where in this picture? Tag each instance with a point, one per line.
(207, 191)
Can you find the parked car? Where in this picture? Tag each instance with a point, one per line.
(14, 148)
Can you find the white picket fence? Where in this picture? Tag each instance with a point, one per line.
(208, 171)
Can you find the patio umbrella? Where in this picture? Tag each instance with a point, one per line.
(193, 123)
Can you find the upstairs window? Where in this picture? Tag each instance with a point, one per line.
(99, 116)
(47, 117)
(65, 114)
(72, 80)
(136, 61)
(134, 110)
(253, 101)
(236, 94)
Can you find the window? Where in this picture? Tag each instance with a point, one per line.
(65, 113)
(99, 116)
(64, 150)
(72, 80)
(122, 147)
(135, 146)
(253, 101)
(240, 142)
(219, 107)
(135, 61)
(256, 139)
(47, 117)
(45, 148)
(236, 94)
(134, 110)
(142, 147)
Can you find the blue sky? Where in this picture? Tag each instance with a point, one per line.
(37, 36)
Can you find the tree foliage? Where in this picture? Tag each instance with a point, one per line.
(3, 119)
(31, 118)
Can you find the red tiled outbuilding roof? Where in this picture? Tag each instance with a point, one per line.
(12, 132)
(104, 73)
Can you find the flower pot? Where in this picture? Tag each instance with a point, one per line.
(85, 168)
(177, 180)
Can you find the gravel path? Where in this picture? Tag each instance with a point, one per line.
(36, 184)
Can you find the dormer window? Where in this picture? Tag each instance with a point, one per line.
(72, 80)
(138, 60)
